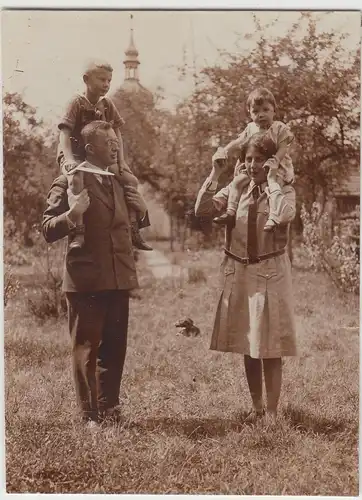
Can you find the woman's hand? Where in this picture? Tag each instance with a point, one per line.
(219, 163)
(271, 166)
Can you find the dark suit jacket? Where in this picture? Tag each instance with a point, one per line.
(106, 261)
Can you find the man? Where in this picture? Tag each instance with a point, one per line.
(98, 277)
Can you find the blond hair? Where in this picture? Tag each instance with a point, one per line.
(95, 65)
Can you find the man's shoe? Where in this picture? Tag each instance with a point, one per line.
(111, 415)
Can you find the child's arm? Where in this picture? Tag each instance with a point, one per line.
(282, 151)
(276, 159)
(232, 145)
(284, 137)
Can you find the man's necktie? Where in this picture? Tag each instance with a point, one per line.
(252, 243)
(107, 183)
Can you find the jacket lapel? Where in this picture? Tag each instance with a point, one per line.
(98, 190)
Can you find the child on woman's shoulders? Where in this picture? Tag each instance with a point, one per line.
(261, 106)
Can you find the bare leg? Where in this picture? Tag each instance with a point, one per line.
(273, 383)
(254, 376)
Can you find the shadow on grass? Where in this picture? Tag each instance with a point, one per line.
(193, 428)
(304, 421)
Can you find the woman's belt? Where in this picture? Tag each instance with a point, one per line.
(254, 260)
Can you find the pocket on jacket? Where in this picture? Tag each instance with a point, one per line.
(82, 269)
(228, 266)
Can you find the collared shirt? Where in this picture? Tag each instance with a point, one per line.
(79, 112)
(272, 198)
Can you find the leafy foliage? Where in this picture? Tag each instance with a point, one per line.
(316, 85)
(339, 257)
(29, 166)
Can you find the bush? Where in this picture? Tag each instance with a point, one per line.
(196, 275)
(335, 252)
(11, 284)
(48, 301)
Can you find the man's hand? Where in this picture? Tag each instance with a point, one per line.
(134, 199)
(78, 204)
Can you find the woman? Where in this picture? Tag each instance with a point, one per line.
(254, 315)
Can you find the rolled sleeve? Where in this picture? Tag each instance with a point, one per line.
(70, 116)
(208, 203)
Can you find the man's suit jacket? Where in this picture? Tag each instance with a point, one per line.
(106, 261)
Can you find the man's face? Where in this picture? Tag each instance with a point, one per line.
(254, 161)
(105, 147)
(262, 114)
(99, 81)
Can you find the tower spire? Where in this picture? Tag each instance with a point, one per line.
(131, 61)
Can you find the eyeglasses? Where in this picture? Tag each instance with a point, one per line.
(113, 143)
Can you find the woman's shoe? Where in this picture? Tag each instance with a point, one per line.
(253, 416)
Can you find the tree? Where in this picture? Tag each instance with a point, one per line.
(140, 132)
(316, 85)
(29, 167)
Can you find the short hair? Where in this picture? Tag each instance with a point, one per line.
(90, 131)
(261, 142)
(259, 96)
(93, 65)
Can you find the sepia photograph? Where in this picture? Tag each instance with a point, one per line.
(181, 251)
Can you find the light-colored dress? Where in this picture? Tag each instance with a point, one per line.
(254, 314)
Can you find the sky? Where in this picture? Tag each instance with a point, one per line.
(50, 47)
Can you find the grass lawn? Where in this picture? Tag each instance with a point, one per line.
(181, 432)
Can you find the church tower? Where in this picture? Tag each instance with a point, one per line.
(131, 64)
(131, 61)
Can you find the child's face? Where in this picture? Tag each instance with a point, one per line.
(254, 161)
(262, 114)
(98, 82)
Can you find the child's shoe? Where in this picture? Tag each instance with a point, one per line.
(270, 225)
(137, 239)
(225, 220)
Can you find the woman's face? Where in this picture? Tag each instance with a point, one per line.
(254, 161)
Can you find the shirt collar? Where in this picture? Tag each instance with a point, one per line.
(86, 98)
(98, 177)
(261, 187)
